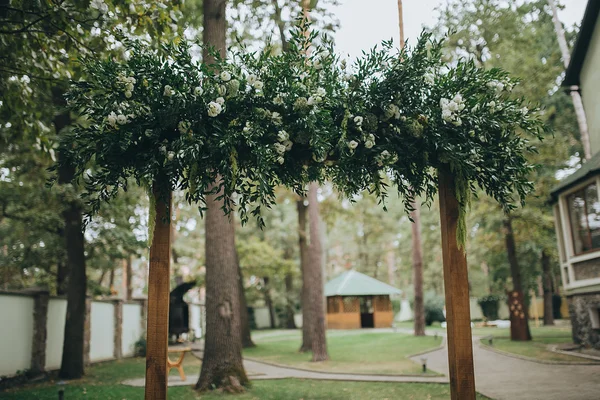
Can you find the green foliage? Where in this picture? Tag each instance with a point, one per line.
(434, 308)
(140, 347)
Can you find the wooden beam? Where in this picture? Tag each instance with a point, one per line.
(157, 331)
(456, 284)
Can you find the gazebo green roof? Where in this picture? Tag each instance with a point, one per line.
(352, 283)
(587, 170)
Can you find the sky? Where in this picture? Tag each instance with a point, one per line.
(365, 23)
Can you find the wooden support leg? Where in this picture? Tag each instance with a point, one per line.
(158, 304)
(456, 283)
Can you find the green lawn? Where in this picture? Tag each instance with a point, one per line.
(102, 383)
(537, 348)
(350, 351)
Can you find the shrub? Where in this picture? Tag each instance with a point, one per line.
(489, 306)
(434, 308)
(140, 347)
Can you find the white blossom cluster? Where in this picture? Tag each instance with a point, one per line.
(452, 108)
(184, 127)
(386, 158)
(392, 111)
(128, 83)
(285, 144)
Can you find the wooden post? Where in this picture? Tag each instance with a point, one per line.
(456, 284)
(157, 331)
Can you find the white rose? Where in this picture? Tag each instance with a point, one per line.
(358, 120)
(220, 100)
(258, 85)
(276, 118)
(446, 115)
(112, 119)
(310, 101)
(321, 92)
(458, 98)
(128, 94)
(317, 64)
(252, 79)
(222, 90)
(225, 76)
(369, 144)
(452, 106)
(198, 91)
(282, 136)
(279, 148)
(353, 144)
(184, 126)
(499, 87)
(444, 102)
(168, 91)
(129, 87)
(288, 145)
(121, 119)
(429, 78)
(280, 160)
(214, 109)
(278, 101)
(170, 156)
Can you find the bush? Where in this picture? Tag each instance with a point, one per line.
(140, 347)
(489, 306)
(556, 304)
(434, 308)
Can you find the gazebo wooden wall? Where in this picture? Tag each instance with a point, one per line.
(343, 312)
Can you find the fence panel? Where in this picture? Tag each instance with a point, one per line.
(16, 331)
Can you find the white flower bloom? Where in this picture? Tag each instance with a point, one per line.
(452, 106)
(300, 103)
(392, 111)
(280, 160)
(358, 120)
(353, 144)
(222, 90)
(168, 91)
(129, 87)
(524, 110)
(288, 145)
(385, 154)
(311, 101)
(444, 102)
(282, 136)
(258, 85)
(184, 126)
(447, 115)
(225, 76)
(429, 78)
(317, 64)
(99, 5)
(112, 119)
(321, 92)
(163, 149)
(198, 91)
(121, 119)
(252, 79)
(220, 100)
(457, 122)
(214, 109)
(369, 144)
(458, 98)
(492, 84)
(170, 155)
(343, 64)
(128, 94)
(276, 118)
(278, 100)
(492, 104)
(279, 148)
(499, 87)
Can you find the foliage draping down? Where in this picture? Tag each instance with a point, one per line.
(257, 121)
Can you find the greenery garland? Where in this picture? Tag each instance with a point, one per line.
(258, 120)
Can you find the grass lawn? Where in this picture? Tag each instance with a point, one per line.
(537, 348)
(102, 383)
(350, 351)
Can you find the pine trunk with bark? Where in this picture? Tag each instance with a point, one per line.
(417, 262)
(129, 277)
(303, 245)
(314, 272)
(519, 325)
(62, 277)
(72, 363)
(269, 301)
(222, 365)
(244, 317)
(290, 323)
(548, 289)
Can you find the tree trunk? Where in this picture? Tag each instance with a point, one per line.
(303, 245)
(519, 326)
(289, 304)
(222, 361)
(62, 282)
(269, 301)
(575, 96)
(157, 330)
(244, 317)
(417, 257)
(129, 277)
(111, 280)
(101, 279)
(547, 287)
(315, 278)
(72, 363)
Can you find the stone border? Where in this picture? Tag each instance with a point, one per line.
(553, 348)
(525, 358)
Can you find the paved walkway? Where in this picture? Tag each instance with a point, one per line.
(502, 377)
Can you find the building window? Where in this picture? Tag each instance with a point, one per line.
(584, 213)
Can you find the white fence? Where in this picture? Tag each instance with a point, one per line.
(113, 329)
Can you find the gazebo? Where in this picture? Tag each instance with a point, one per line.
(355, 300)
